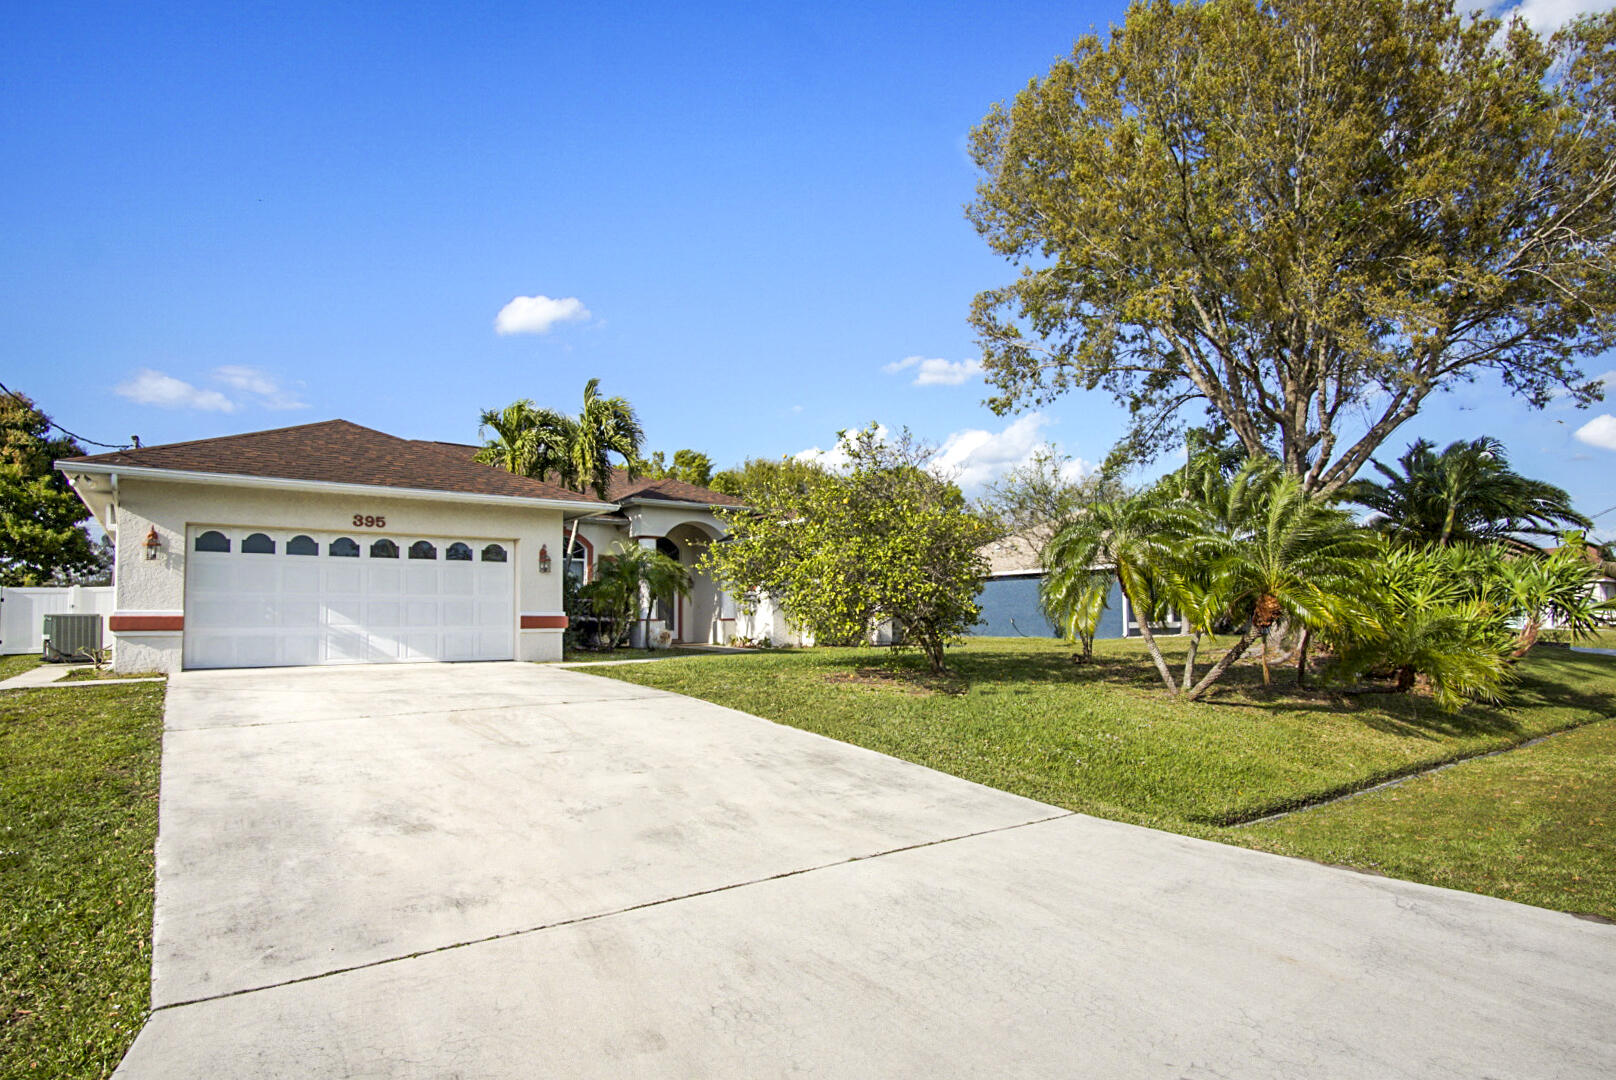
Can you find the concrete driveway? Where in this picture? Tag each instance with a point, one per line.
(505, 870)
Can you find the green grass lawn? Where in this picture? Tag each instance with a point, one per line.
(78, 819)
(17, 664)
(1105, 739)
(1536, 825)
(593, 655)
(1599, 639)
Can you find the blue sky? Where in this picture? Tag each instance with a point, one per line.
(223, 220)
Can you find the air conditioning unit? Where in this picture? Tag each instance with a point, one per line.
(71, 637)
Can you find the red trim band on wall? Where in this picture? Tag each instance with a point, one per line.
(544, 622)
(116, 623)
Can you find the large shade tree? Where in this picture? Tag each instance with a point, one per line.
(1303, 219)
(1464, 493)
(42, 535)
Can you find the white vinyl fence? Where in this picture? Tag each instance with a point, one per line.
(23, 611)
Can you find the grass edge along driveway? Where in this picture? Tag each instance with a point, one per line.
(79, 775)
(1105, 740)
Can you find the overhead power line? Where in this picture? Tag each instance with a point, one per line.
(76, 438)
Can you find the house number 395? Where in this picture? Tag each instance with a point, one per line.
(369, 521)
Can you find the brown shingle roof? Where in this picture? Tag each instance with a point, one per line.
(338, 452)
(623, 489)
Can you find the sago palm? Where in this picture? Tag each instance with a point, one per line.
(1133, 537)
(1288, 557)
(1074, 597)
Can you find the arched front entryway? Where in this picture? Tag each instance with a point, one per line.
(694, 619)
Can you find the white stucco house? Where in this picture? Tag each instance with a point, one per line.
(332, 543)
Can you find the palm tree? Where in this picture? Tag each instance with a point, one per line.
(626, 576)
(1074, 597)
(607, 426)
(1467, 492)
(1272, 552)
(528, 440)
(1134, 537)
(575, 453)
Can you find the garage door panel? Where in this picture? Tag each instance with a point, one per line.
(386, 613)
(302, 580)
(340, 578)
(257, 650)
(459, 644)
(492, 613)
(258, 573)
(343, 611)
(250, 609)
(210, 573)
(301, 649)
(384, 578)
(421, 645)
(346, 645)
(297, 614)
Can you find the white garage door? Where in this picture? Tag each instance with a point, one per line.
(272, 597)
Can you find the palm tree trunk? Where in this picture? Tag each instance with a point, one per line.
(1223, 665)
(1266, 681)
(1301, 659)
(1150, 643)
(1189, 660)
(1527, 637)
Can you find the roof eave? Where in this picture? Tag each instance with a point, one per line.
(683, 504)
(181, 476)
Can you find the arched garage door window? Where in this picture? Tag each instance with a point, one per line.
(213, 540)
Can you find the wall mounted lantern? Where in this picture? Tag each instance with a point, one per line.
(154, 543)
(544, 559)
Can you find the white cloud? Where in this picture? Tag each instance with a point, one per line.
(150, 387)
(836, 456)
(1600, 432)
(974, 458)
(933, 371)
(1547, 16)
(538, 314)
(249, 380)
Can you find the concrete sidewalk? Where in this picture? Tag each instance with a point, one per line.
(51, 675)
(521, 871)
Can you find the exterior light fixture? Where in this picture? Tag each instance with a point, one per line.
(154, 543)
(544, 559)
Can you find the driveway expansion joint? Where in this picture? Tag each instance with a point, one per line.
(598, 916)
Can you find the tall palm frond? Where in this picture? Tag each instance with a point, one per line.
(1135, 537)
(607, 425)
(1273, 552)
(1465, 492)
